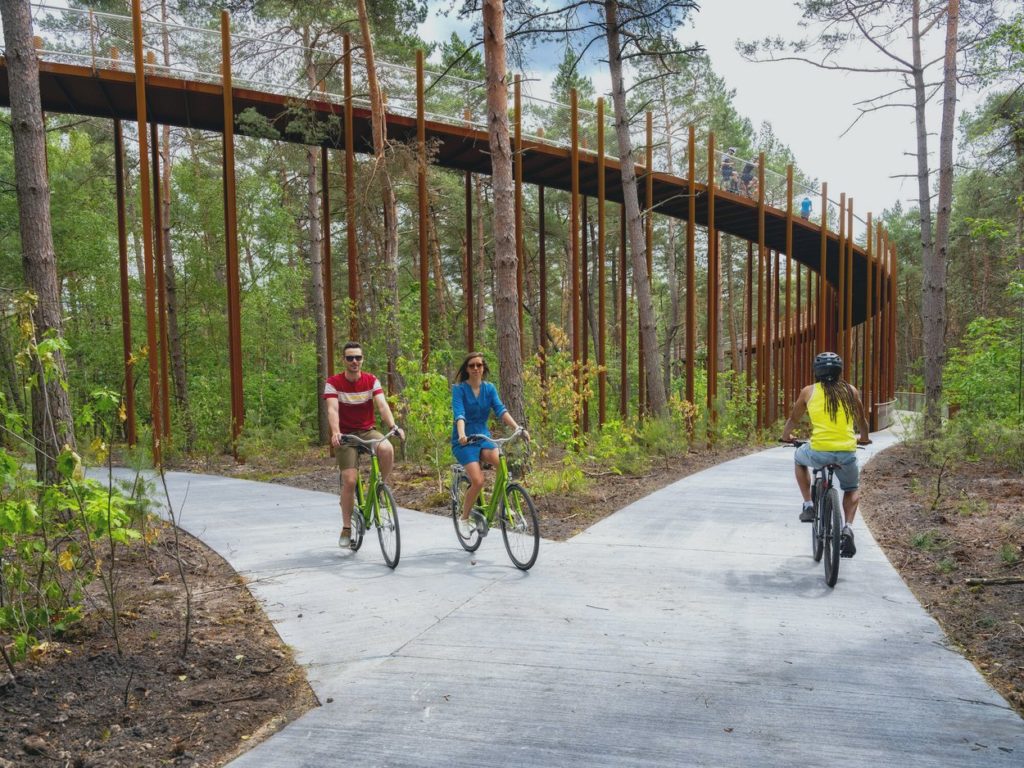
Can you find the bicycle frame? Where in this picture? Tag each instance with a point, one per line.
(489, 505)
(368, 489)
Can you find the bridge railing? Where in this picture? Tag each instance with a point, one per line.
(265, 63)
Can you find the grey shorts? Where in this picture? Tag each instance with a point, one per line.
(848, 473)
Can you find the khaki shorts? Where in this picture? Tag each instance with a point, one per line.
(348, 455)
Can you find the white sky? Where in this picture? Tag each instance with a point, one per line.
(807, 107)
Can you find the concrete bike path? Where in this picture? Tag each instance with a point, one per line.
(691, 628)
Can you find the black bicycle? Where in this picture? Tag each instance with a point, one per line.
(827, 528)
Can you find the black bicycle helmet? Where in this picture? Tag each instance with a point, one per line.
(827, 365)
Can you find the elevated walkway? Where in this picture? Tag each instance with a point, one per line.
(690, 629)
(86, 69)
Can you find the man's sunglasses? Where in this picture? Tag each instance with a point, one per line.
(353, 358)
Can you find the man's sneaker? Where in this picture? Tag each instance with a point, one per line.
(846, 546)
(345, 539)
(807, 513)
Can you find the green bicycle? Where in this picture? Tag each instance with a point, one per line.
(375, 504)
(509, 505)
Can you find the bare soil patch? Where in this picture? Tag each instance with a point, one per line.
(941, 529)
(78, 703)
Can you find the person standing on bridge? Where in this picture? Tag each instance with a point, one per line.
(805, 208)
(351, 397)
(835, 409)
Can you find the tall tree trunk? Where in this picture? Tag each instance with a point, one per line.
(178, 372)
(506, 300)
(51, 411)
(314, 243)
(379, 129)
(933, 309)
(641, 287)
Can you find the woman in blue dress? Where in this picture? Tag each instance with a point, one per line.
(473, 399)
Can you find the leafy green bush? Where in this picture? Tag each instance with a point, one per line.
(424, 409)
(981, 376)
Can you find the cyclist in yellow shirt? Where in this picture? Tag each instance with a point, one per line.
(835, 410)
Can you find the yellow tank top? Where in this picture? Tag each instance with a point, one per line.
(826, 434)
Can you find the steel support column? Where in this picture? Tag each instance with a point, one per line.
(126, 314)
(822, 343)
(788, 348)
(325, 256)
(424, 222)
(161, 284)
(350, 200)
(231, 238)
(147, 232)
(711, 357)
(602, 320)
(518, 185)
(574, 230)
(691, 262)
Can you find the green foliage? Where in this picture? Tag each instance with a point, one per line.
(425, 412)
(928, 541)
(1009, 554)
(982, 374)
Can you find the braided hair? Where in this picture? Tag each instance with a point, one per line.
(838, 392)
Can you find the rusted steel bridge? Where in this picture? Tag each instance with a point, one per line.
(107, 66)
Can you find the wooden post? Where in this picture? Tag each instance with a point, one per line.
(869, 347)
(748, 357)
(542, 278)
(126, 315)
(842, 287)
(649, 253)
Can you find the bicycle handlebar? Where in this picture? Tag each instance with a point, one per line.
(370, 445)
(796, 443)
(499, 441)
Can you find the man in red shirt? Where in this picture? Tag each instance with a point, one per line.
(351, 397)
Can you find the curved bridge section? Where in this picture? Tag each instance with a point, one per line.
(86, 69)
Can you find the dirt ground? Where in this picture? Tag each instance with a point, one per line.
(78, 703)
(952, 535)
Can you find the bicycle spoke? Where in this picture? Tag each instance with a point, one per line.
(519, 526)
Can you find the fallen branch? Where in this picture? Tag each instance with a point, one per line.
(979, 582)
(197, 701)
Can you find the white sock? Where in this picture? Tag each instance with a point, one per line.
(808, 505)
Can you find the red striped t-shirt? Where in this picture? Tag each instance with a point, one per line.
(355, 400)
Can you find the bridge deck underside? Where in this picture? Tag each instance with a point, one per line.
(111, 93)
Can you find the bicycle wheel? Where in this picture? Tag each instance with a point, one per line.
(519, 526)
(458, 495)
(816, 534)
(387, 526)
(358, 529)
(833, 531)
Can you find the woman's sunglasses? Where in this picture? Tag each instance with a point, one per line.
(475, 365)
